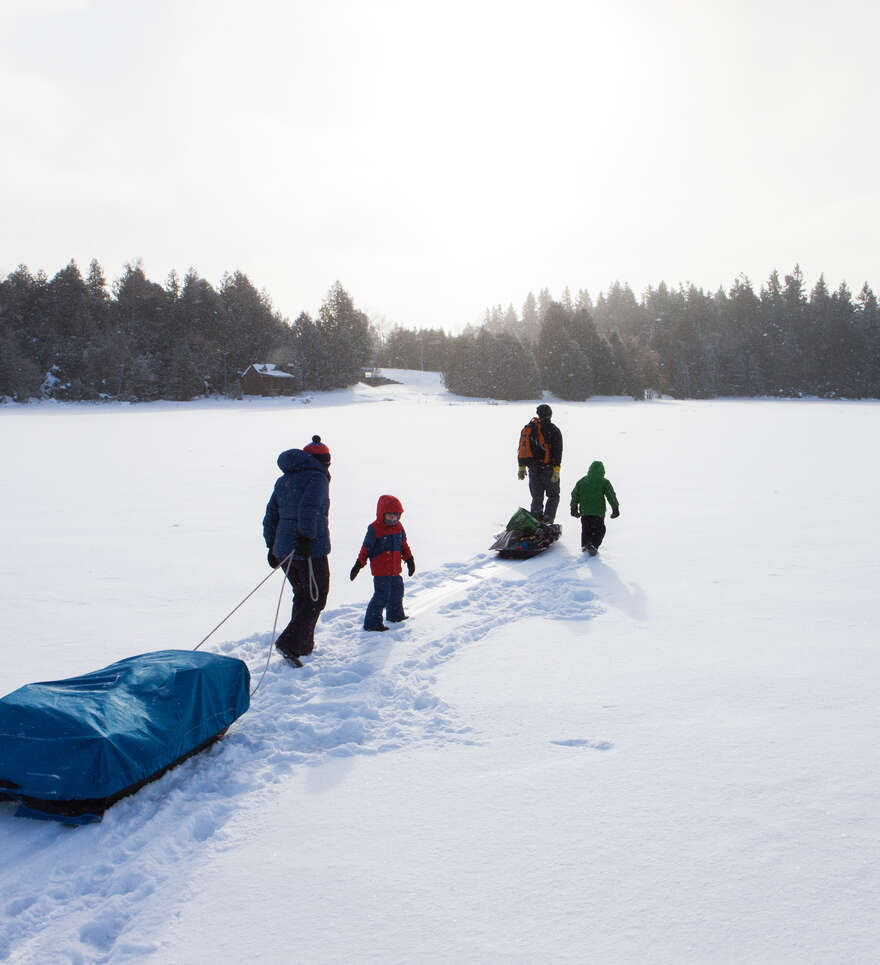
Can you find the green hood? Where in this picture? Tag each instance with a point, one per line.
(591, 492)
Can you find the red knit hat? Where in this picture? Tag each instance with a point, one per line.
(317, 449)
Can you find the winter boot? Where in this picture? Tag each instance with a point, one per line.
(282, 645)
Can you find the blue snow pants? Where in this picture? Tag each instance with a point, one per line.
(387, 595)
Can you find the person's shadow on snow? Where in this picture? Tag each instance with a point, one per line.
(629, 597)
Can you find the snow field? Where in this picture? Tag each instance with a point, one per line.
(663, 754)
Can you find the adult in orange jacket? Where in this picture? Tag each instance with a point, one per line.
(540, 454)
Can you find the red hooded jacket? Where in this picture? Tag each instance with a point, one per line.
(385, 546)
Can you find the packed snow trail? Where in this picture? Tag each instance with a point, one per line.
(359, 694)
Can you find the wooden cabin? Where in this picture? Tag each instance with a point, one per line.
(265, 378)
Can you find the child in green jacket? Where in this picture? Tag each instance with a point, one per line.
(588, 501)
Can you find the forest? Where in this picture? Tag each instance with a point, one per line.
(74, 338)
(69, 338)
(783, 340)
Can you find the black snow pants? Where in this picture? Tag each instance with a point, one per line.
(298, 637)
(592, 531)
(541, 482)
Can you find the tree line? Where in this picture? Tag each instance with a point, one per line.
(73, 338)
(783, 340)
(70, 338)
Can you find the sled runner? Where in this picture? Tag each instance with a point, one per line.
(69, 749)
(525, 536)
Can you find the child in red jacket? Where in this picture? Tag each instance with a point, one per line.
(385, 545)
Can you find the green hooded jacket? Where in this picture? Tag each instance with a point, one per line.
(591, 491)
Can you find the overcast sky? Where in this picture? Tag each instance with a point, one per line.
(441, 158)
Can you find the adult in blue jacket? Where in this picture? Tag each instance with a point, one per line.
(297, 532)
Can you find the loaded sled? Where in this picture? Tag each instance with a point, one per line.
(525, 536)
(69, 749)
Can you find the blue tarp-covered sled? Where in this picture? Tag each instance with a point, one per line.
(71, 748)
(525, 536)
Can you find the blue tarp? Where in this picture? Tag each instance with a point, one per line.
(73, 747)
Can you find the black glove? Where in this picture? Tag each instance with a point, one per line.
(574, 511)
(615, 513)
(411, 565)
(274, 562)
(303, 545)
(355, 570)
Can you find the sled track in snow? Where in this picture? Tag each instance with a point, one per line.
(359, 694)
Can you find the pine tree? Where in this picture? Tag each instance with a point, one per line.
(584, 303)
(253, 331)
(400, 349)
(607, 376)
(565, 366)
(433, 349)
(200, 319)
(172, 285)
(800, 343)
(846, 347)
(463, 373)
(781, 352)
(530, 322)
(868, 322)
(491, 365)
(743, 342)
(625, 362)
(20, 375)
(619, 311)
(812, 325)
(345, 332)
(71, 326)
(96, 283)
(25, 346)
(183, 381)
(544, 302)
(313, 364)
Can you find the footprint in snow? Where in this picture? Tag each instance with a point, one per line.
(583, 742)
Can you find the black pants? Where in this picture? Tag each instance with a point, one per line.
(298, 637)
(541, 482)
(592, 531)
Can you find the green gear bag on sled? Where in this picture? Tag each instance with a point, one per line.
(525, 536)
(522, 521)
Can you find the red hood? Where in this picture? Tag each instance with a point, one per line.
(388, 504)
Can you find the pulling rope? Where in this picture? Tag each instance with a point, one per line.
(314, 592)
(286, 563)
(289, 560)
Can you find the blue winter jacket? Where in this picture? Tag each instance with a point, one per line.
(300, 505)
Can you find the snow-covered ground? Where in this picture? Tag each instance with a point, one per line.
(665, 754)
